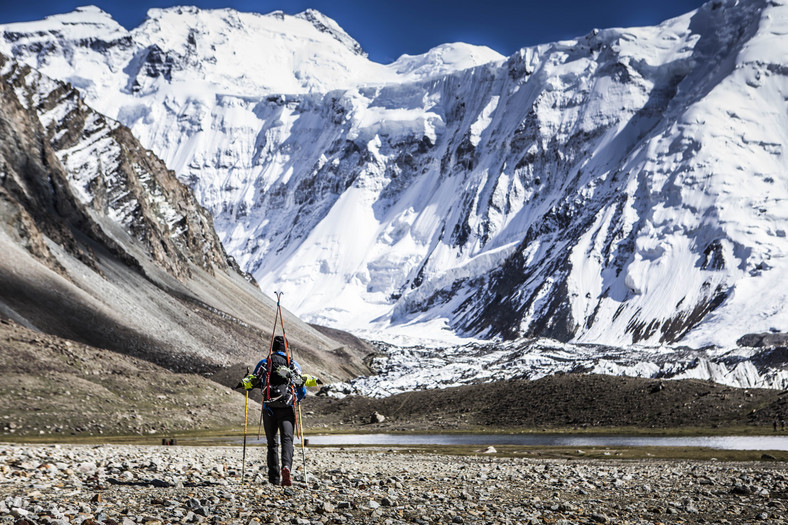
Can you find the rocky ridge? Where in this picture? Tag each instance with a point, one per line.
(117, 180)
(560, 402)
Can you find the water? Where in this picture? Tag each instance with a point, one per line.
(558, 440)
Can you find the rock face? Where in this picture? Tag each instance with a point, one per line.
(112, 178)
(614, 188)
(101, 244)
(763, 340)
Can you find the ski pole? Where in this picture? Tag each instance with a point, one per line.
(287, 354)
(246, 417)
(299, 430)
(266, 388)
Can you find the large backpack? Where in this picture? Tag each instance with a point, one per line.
(281, 393)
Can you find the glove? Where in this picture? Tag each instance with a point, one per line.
(249, 382)
(311, 380)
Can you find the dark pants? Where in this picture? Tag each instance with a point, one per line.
(283, 421)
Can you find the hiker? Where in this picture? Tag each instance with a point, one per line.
(279, 380)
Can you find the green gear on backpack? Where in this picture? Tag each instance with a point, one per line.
(248, 381)
(283, 372)
(291, 375)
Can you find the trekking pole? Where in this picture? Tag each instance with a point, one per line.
(246, 417)
(303, 449)
(299, 430)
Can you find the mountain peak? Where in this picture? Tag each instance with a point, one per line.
(96, 22)
(324, 24)
(444, 59)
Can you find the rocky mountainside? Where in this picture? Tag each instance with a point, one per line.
(102, 245)
(627, 186)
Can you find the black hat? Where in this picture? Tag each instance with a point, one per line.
(279, 344)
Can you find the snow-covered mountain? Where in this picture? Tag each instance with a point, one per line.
(627, 186)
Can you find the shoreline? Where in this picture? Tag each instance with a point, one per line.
(220, 439)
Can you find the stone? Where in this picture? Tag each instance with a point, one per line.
(387, 487)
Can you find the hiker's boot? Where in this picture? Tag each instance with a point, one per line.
(273, 476)
(286, 482)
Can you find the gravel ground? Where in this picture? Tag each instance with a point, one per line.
(153, 485)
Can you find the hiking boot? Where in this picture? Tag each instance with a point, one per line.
(273, 475)
(286, 482)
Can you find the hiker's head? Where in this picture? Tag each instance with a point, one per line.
(279, 344)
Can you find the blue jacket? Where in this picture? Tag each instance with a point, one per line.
(261, 371)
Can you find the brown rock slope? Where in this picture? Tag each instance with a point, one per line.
(51, 386)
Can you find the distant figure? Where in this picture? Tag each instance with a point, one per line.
(775, 425)
(782, 424)
(282, 384)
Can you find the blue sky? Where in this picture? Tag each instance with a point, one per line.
(388, 28)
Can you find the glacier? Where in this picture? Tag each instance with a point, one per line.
(626, 187)
(399, 369)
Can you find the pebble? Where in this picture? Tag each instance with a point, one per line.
(150, 485)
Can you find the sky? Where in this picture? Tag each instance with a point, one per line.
(386, 29)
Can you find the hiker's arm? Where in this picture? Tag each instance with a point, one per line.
(250, 381)
(253, 380)
(311, 380)
(261, 368)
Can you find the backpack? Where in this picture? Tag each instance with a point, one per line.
(281, 395)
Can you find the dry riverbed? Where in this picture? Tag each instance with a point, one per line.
(152, 485)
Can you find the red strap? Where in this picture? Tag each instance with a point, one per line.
(289, 364)
(267, 395)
